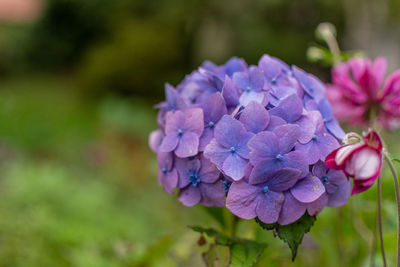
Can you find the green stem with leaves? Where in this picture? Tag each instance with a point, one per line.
(396, 190)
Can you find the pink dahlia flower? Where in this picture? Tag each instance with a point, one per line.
(358, 90)
(361, 161)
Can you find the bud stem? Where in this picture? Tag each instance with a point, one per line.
(396, 189)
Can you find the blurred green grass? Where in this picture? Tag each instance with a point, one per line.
(78, 187)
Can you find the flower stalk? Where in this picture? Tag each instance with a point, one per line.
(396, 190)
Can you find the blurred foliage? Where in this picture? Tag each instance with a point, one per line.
(134, 47)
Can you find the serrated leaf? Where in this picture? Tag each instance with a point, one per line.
(243, 252)
(292, 234)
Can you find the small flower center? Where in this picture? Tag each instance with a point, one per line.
(180, 132)
(279, 157)
(265, 189)
(314, 138)
(211, 124)
(164, 170)
(232, 149)
(248, 89)
(325, 179)
(325, 120)
(311, 89)
(226, 185)
(194, 179)
(273, 81)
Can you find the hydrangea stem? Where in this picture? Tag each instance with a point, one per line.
(380, 220)
(396, 190)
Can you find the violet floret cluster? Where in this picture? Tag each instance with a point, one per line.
(251, 138)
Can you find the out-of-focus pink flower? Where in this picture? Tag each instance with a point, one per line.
(358, 90)
(361, 161)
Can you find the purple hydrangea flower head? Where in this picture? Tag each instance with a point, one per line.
(199, 183)
(228, 150)
(257, 135)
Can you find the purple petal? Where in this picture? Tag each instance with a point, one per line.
(271, 68)
(216, 153)
(279, 93)
(291, 210)
(212, 194)
(190, 196)
(165, 160)
(308, 189)
(269, 206)
(194, 121)
(185, 167)
(320, 169)
(188, 145)
(242, 148)
(155, 140)
(263, 170)
(206, 137)
(263, 145)
(174, 100)
(248, 96)
(335, 129)
(290, 109)
(214, 109)
(311, 85)
(307, 127)
(336, 177)
(341, 195)
(288, 135)
(274, 122)
(228, 131)
(296, 160)
(318, 148)
(242, 199)
(234, 166)
(256, 78)
(208, 171)
(169, 180)
(230, 93)
(241, 80)
(174, 122)
(283, 179)
(235, 65)
(316, 206)
(169, 143)
(255, 117)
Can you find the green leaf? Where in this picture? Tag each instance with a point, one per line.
(292, 234)
(243, 252)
